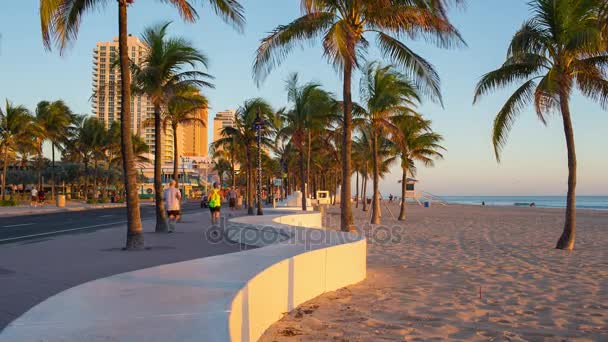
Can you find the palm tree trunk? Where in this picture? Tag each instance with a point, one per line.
(403, 194)
(86, 180)
(365, 192)
(249, 183)
(346, 211)
(39, 167)
(52, 170)
(4, 168)
(308, 160)
(175, 157)
(135, 237)
(357, 192)
(566, 240)
(161, 217)
(302, 178)
(95, 189)
(376, 180)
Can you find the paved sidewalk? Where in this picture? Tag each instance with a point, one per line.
(51, 208)
(34, 270)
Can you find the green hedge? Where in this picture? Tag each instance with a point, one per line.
(8, 203)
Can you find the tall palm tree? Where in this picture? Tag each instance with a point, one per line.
(53, 118)
(162, 76)
(561, 47)
(312, 108)
(344, 25)
(60, 21)
(244, 134)
(183, 109)
(385, 93)
(416, 143)
(15, 123)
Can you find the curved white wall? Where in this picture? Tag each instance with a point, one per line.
(231, 297)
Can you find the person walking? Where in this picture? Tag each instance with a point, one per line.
(34, 197)
(172, 197)
(215, 199)
(232, 195)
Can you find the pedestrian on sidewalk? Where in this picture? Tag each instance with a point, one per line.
(215, 203)
(172, 197)
(232, 195)
(33, 197)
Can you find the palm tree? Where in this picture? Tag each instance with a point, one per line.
(416, 142)
(365, 147)
(344, 25)
(87, 140)
(60, 21)
(53, 118)
(15, 123)
(385, 93)
(560, 47)
(312, 107)
(183, 108)
(221, 166)
(161, 76)
(244, 134)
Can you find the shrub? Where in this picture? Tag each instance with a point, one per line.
(8, 203)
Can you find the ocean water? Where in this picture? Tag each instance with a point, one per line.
(582, 202)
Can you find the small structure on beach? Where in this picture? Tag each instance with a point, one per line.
(419, 196)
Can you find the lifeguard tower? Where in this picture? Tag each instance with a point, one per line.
(419, 196)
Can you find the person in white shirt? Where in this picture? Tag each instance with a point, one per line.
(34, 197)
(172, 197)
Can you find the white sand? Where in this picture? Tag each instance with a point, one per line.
(469, 273)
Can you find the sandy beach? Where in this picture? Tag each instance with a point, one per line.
(467, 273)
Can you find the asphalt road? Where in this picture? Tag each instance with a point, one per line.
(16, 228)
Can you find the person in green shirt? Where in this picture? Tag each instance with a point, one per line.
(215, 199)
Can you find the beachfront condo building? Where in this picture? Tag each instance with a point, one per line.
(222, 120)
(106, 94)
(195, 142)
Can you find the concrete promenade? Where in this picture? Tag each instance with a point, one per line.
(34, 269)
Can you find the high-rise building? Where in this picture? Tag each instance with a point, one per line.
(194, 140)
(106, 94)
(222, 119)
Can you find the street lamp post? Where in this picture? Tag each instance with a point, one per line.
(258, 124)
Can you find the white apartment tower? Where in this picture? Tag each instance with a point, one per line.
(106, 94)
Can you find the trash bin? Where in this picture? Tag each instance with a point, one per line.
(427, 204)
(60, 201)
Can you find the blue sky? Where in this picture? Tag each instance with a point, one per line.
(534, 161)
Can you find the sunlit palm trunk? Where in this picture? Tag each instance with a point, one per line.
(357, 191)
(308, 160)
(52, 170)
(161, 217)
(135, 237)
(403, 194)
(566, 241)
(301, 160)
(364, 192)
(346, 211)
(249, 183)
(175, 157)
(376, 179)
